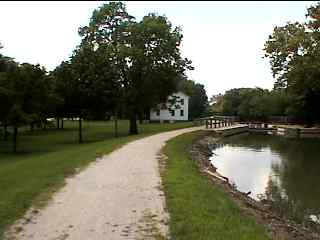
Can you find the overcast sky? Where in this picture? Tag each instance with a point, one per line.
(223, 39)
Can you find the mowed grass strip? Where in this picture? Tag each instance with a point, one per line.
(199, 209)
(47, 157)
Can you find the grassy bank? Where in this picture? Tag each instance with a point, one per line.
(198, 208)
(45, 158)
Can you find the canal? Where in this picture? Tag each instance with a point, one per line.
(283, 171)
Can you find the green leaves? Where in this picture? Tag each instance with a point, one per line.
(253, 103)
(108, 24)
(17, 117)
(122, 63)
(294, 54)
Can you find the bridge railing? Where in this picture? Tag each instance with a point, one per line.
(215, 121)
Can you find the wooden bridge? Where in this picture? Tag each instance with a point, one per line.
(222, 125)
(215, 121)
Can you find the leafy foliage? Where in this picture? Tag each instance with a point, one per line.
(198, 99)
(143, 57)
(251, 103)
(294, 54)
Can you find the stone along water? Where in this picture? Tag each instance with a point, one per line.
(284, 171)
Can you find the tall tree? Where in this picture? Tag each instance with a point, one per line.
(107, 36)
(294, 54)
(155, 64)
(146, 56)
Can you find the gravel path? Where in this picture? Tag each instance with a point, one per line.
(117, 197)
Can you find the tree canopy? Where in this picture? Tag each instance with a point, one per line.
(294, 54)
(144, 57)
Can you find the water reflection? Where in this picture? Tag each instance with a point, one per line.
(286, 171)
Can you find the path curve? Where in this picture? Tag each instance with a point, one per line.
(118, 196)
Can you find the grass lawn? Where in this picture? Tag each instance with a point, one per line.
(47, 157)
(199, 209)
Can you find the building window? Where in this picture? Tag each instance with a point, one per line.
(172, 113)
(181, 113)
(158, 112)
(182, 101)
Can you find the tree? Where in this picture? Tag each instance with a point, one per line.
(294, 54)
(71, 89)
(156, 65)
(198, 99)
(17, 118)
(66, 89)
(107, 37)
(7, 65)
(145, 56)
(95, 80)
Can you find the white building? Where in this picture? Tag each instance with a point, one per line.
(175, 109)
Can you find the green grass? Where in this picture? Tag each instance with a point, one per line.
(46, 158)
(199, 209)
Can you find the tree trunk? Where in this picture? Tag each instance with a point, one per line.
(116, 123)
(5, 134)
(140, 118)
(31, 127)
(80, 130)
(147, 114)
(58, 123)
(15, 135)
(61, 123)
(133, 123)
(44, 124)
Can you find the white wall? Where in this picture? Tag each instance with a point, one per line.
(166, 115)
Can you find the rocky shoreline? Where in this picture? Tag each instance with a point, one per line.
(277, 227)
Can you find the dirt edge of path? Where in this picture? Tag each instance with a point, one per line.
(277, 228)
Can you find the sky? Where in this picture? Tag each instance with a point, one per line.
(224, 40)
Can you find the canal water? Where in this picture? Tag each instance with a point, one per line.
(284, 171)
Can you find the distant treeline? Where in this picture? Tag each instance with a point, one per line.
(252, 104)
